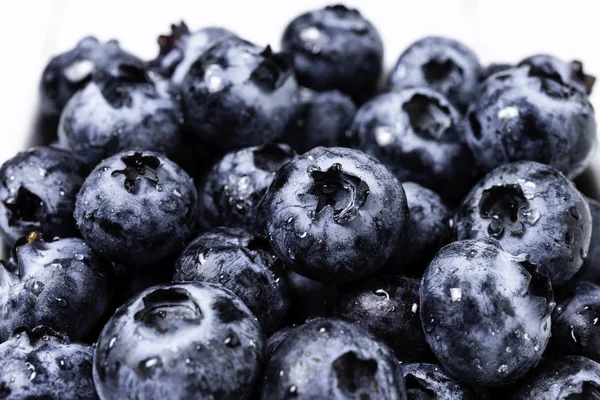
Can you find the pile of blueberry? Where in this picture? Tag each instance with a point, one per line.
(232, 222)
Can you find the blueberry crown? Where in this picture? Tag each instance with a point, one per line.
(138, 166)
(273, 70)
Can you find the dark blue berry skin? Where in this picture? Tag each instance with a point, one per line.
(332, 359)
(230, 193)
(136, 208)
(387, 306)
(334, 214)
(531, 209)
(429, 229)
(275, 339)
(242, 263)
(492, 69)
(61, 284)
(335, 48)
(71, 71)
(563, 378)
(122, 109)
(42, 364)
(320, 119)
(419, 136)
(528, 114)
(570, 73)
(590, 270)
(575, 320)
(428, 381)
(180, 341)
(37, 193)
(309, 298)
(442, 64)
(181, 48)
(238, 94)
(485, 313)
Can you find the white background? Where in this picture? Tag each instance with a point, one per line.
(498, 30)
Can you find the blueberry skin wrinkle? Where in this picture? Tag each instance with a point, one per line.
(328, 358)
(238, 94)
(242, 263)
(526, 114)
(136, 208)
(334, 214)
(180, 341)
(562, 378)
(61, 284)
(533, 209)
(335, 48)
(428, 381)
(37, 193)
(442, 64)
(43, 364)
(485, 313)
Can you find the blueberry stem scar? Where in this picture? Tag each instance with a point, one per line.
(138, 166)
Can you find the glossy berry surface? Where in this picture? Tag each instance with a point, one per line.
(238, 94)
(485, 312)
(122, 109)
(42, 364)
(590, 270)
(232, 190)
(388, 307)
(72, 70)
(334, 214)
(179, 341)
(136, 208)
(242, 263)
(181, 48)
(571, 73)
(419, 136)
(528, 114)
(430, 226)
(429, 382)
(335, 48)
(564, 378)
(37, 193)
(442, 64)
(320, 119)
(531, 209)
(329, 358)
(60, 284)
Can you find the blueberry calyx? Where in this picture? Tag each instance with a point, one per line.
(354, 375)
(163, 307)
(341, 10)
(273, 70)
(344, 193)
(551, 83)
(428, 117)
(578, 74)
(138, 166)
(508, 209)
(167, 43)
(442, 72)
(112, 83)
(539, 286)
(24, 207)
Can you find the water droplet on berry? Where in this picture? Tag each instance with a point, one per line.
(455, 294)
(61, 302)
(232, 340)
(31, 368)
(112, 342)
(37, 288)
(79, 257)
(381, 292)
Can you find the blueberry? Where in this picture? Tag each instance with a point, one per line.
(485, 312)
(238, 94)
(590, 270)
(275, 339)
(528, 114)
(420, 137)
(181, 48)
(387, 307)
(533, 209)
(242, 263)
(493, 68)
(570, 73)
(136, 208)
(119, 110)
(320, 119)
(429, 229)
(439, 63)
(575, 320)
(332, 359)
(37, 193)
(60, 284)
(180, 341)
(71, 71)
(334, 214)
(231, 191)
(309, 298)
(42, 364)
(564, 378)
(427, 381)
(335, 48)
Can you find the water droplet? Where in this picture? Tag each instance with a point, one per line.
(56, 265)
(508, 349)
(232, 340)
(573, 333)
(451, 222)
(531, 216)
(455, 294)
(302, 235)
(525, 336)
(79, 257)
(61, 302)
(508, 112)
(201, 258)
(213, 76)
(176, 192)
(414, 308)
(293, 390)
(280, 372)
(37, 288)
(31, 368)
(188, 361)
(596, 321)
(536, 348)
(112, 342)
(384, 136)
(381, 292)
(503, 369)
(322, 330)
(290, 220)
(62, 193)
